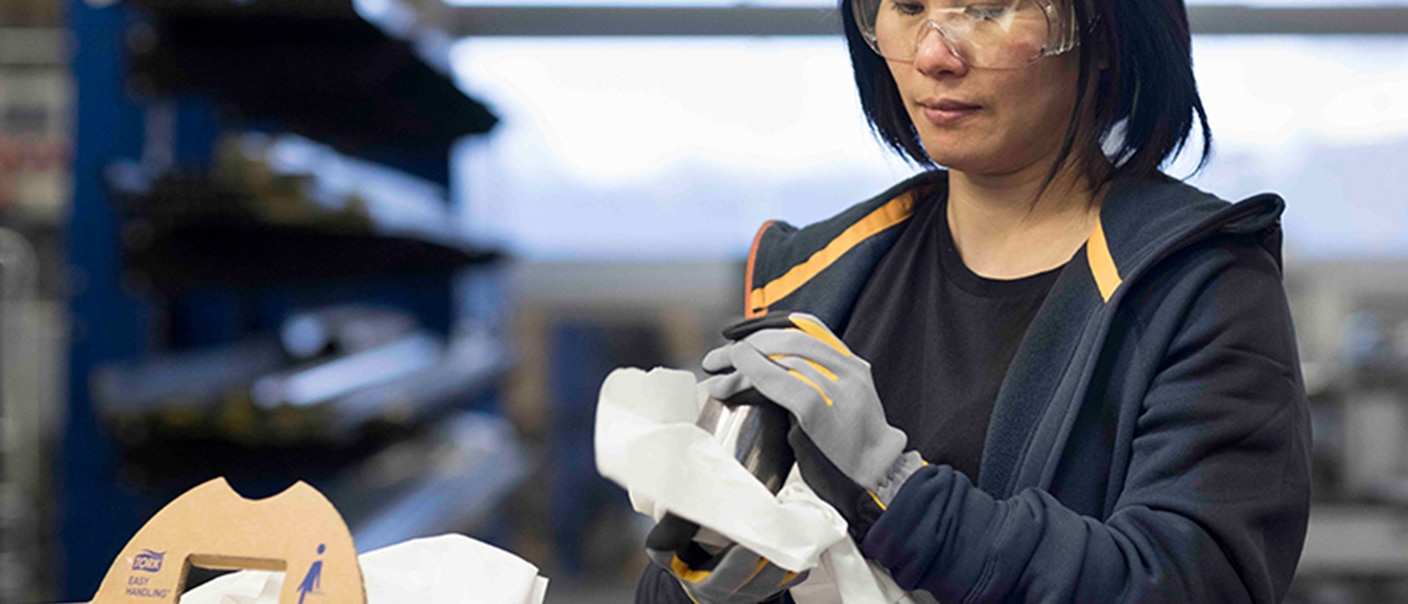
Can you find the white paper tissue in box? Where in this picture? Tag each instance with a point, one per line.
(448, 569)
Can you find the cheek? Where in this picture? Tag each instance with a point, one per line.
(1045, 104)
(1029, 122)
(900, 74)
(1016, 48)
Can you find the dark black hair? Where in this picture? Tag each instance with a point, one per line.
(1144, 103)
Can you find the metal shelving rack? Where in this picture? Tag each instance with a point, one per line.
(170, 265)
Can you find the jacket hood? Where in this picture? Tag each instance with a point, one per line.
(1143, 221)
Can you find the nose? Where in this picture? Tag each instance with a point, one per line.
(934, 54)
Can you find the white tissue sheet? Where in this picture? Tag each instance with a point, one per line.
(646, 441)
(448, 569)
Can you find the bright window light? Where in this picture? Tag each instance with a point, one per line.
(1321, 120)
(661, 148)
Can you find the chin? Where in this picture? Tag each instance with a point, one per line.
(971, 157)
(961, 160)
(955, 152)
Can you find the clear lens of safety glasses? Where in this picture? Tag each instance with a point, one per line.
(989, 34)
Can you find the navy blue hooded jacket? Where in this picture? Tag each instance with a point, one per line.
(1150, 441)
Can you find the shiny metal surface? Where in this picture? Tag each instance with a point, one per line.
(756, 434)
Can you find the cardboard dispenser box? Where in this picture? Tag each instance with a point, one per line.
(297, 531)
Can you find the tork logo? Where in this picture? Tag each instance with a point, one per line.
(148, 561)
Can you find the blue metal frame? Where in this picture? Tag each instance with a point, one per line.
(95, 516)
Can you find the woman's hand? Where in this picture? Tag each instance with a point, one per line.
(735, 575)
(738, 577)
(846, 450)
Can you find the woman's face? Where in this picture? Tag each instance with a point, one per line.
(987, 121)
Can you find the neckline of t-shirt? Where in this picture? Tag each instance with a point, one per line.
(958, 273)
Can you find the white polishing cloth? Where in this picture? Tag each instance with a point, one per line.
(448, 569)
(647, 442)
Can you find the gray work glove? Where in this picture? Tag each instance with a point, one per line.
(735, 575)
(846, 450)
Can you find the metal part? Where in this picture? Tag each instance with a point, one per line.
(756, 434)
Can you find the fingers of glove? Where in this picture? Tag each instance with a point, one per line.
(768, 581)
(809, 369)
(772, 320)
(726, 386)
(736, 568)
(718, 360)
(792, 342)
(671, 561)
(792, 391)
(672, 533)
(778, 321)
(708, 586)
(741, 576)
(813, 326)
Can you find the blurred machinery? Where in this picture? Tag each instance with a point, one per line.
(35, 101)
(1352, 319)
(31, 337)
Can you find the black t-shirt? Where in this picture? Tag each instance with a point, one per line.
(939, 338)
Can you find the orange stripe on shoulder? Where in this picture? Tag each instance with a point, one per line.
(1102, 264)
(895, 211)
(748, 310)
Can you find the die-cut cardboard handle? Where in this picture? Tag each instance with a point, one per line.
(211, 526)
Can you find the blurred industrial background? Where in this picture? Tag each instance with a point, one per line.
(392, 247)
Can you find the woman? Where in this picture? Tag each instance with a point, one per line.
(1096, 361)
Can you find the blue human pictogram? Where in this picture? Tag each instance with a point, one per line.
(314, 578)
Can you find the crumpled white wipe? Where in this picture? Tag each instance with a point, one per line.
(647, 442)
(446, 569)
(844, 576)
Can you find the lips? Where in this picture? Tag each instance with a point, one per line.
(946, 112)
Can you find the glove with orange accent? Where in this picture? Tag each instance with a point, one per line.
(846, 450)
(735, 575)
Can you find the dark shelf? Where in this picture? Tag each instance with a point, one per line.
(193, 230)
(315, 68)
(193, 254)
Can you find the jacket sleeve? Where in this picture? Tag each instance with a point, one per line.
(1215, 495)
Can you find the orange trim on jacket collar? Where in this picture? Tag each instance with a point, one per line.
(895, 211)
(1102, 264)
(748, 310)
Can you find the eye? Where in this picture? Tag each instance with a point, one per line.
(909, 9)
(986, 12)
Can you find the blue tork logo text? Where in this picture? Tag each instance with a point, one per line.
(148, 561)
